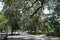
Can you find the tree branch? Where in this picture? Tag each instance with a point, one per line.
(33, 3)
(38, 8)
(36, 11)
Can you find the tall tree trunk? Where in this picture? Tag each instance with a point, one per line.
(36, 25)
(5, 38)
(36, 28)
(12, 31)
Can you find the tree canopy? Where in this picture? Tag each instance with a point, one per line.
(29, 15)
(3, 21)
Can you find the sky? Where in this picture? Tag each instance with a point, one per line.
(45, 11)
(1, 6)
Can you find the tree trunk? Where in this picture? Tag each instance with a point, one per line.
(36, 25)
(5, 38)
(11, 31)
(36, 29)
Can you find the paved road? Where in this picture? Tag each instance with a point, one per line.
(25, 36)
